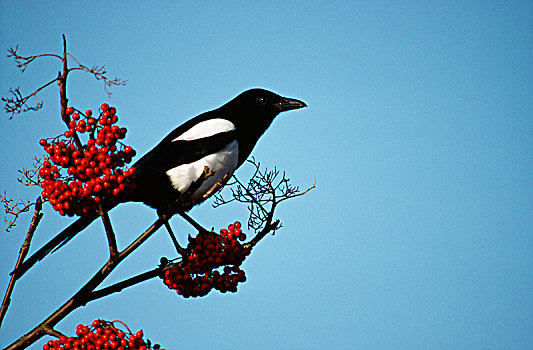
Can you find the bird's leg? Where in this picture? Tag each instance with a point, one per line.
(192, 222)
(179, 248)
(192, 188)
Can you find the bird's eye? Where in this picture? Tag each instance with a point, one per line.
(262, 100)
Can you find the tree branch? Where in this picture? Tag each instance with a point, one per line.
(118, 287)
(37, 215)
(111, 239)
(80, 298)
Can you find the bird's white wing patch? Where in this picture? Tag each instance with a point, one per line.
(205, 129)
(221, 163)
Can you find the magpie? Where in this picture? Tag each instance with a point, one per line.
(192, 162)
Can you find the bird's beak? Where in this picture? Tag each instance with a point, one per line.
(286, 104)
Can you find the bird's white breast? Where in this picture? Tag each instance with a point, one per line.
(221, 163)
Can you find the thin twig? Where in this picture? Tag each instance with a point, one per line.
(262, 193)
(30, 177)
(14, 209)
(299, 193)
(24, 61)
(252, 197)
(99, 73)
(269, 227)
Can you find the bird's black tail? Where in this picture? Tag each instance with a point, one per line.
(55, 243)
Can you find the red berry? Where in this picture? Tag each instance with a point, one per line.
(104, 107)
(69, 110)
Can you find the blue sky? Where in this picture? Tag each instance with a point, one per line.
(419, 134)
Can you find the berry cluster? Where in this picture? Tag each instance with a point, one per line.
(101, 335)
(207, 252)
(94, 171)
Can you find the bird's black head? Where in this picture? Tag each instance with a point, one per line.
(252, 112)
(259, 107)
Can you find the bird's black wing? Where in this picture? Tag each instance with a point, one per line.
(153, 186)
(170, 154)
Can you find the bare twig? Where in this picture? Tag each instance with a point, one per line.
(18, 103)
(14, 209)
(37, 215)
(30, 177)
(273, 226)
(264, 191)
(24, 61)
(99, 73)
